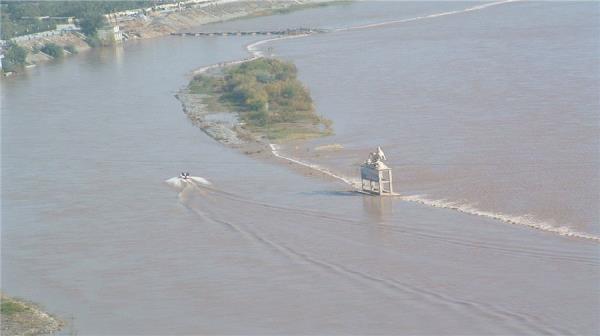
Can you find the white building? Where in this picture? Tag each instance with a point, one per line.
(67, 27)
(110, 34)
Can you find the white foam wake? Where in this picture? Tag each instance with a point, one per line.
(430, 16)
(252, 48)
(221, 65)
(353, 182)
(527, 221)
(179, 183)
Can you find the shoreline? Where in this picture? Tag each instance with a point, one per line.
(20, 317)
(163, 24)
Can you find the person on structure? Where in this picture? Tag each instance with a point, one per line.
(381, 154)
(376, 157)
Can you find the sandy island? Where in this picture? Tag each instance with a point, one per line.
(227, 124)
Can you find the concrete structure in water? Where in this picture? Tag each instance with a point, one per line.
(110, 34)
(376, 176)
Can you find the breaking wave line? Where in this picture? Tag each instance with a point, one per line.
(526, 221)
(430, 16)
(353, 182)
(250, 48)
(256, 53)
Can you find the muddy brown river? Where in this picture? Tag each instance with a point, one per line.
(488, 115)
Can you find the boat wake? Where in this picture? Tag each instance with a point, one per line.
(283, 239)
(180, 184)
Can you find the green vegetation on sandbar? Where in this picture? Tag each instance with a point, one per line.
(269, 97)
(53, 50)
(19, 317)
(12, 307)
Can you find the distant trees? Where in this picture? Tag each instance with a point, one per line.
(19, 17)
(14, 57)
(11, 27)
(53, 50)
(90, 23)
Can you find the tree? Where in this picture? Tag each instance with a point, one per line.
(14, 57)
(257, 100)
(90, 23)
(53, 50)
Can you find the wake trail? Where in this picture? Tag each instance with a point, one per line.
(205, 187)
(516, 321)
(421, 232)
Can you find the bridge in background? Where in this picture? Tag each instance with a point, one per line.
(295, 31)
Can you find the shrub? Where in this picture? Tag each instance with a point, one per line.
(93, 41)
(53, 50)
(268, 94)
(90, 23)
(14, 57)
(36, 49)
(11, 307)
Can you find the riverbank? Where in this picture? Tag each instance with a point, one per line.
(163, 23)
(25, 318)
(219, 11)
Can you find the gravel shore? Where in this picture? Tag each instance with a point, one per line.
(223, 127)
(24, 318)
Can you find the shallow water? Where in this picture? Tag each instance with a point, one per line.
(488, 108)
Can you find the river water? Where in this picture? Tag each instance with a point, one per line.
(493, 110)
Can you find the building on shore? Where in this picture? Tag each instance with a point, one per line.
(65, 19)
(110, 34)
(67, 27)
